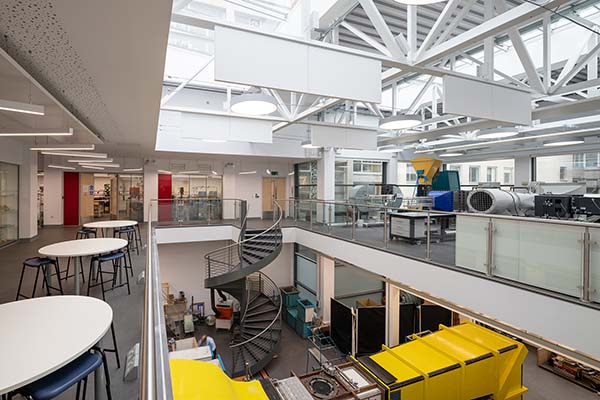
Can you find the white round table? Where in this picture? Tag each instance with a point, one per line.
(43, 334)
(81, 248)
(111, 224)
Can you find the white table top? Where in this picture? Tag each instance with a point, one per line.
(83, 247)
(117, 223)
(42, 334)
(202, 353)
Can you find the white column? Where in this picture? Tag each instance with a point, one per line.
(392, 315)
(326, 286)
(391, 171)
(325, 183)
(522, 170)
(229, 189)
(150, 188)
(28, 207)
(53, 196)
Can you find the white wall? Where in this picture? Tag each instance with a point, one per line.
(53, 196)
(182, 266)
(150, 188)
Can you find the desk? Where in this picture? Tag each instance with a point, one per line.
(112, 224)
(43, 334)
(412, 225)
(81, 248)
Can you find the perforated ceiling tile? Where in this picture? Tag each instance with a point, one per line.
(32, 34)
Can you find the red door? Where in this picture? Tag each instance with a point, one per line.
(71, 198)
(164, 197)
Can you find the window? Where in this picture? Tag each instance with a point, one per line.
(474, 174)
(581, 168)
(578, 160)
(508, 176)
(492, 174)
(367, 167)
(305, 177)
(591, 160)
(305, 272)
(411, 174)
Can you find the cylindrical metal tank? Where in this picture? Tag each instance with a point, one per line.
(497, 201)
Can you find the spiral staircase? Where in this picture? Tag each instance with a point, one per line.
(235, 269)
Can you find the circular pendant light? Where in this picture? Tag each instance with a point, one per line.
(253, 104)
(418, 2)
(400, 121)
(570, 142)
(497, 133)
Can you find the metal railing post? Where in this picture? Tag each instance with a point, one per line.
(353, 222)
(428, 246)
(585, 275)
(385, 228)
(209, 211)
(329, 219)
(310, 203)
(489, 264)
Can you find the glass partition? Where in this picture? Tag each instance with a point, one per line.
(9, 203)
(581, 168)
(131, 197)
(305, 272)
(472, 173)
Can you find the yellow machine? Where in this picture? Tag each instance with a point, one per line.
(464, 362)
(200, 380)
(425, 168)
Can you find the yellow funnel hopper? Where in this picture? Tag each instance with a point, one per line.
(201, 380)
(425, 168)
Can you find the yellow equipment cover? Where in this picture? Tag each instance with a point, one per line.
(199, 380)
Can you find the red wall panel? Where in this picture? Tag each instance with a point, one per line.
(164, 197)
(71, 198)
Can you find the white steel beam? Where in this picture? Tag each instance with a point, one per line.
(367, 39)
(488, 44)
(383, 30)
(547, 50)
(580, 65)
(183, 84)
(415, 104)
(592, 67)
(515, 37)
(283, 108)
(497, 72)
(315, 108)
(499, 24)
(411, 30)
(439, 24)
(453, 23)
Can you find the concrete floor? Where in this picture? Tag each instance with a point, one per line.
(542, 384)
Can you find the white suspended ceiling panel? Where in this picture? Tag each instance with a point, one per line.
(483, 100)
(341, 137)
(200, 127)
(258, 60)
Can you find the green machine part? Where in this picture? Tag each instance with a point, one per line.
(447, 181)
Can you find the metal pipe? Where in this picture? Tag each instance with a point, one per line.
(385, 228)
(489, 264)
(585, 278)
(353, 223)
(428, 248)
(329, 220)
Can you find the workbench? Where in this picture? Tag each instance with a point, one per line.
(412, 225)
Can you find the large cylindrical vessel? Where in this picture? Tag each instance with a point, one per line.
(497, 201)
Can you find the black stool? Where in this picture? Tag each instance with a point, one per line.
(130, 234)
(40, 264)
(115, 258)
(85, 233)
(138, 239)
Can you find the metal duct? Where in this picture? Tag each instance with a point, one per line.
(497, 201)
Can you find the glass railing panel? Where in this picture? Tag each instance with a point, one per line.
(595, 264)
(199, 211)
(342, 220)
(471, 242)
(545, 255)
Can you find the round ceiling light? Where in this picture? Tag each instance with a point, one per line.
(400, 121)
(253, 104)
(307, 144)
(418, 2)
(450, 154)
(570, 142)
(497, 133)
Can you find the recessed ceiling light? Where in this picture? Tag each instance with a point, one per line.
(214, 172)
(189, 172)
(253, 104)
(46, 132)
(291, 173)
(564, 143)
(16, 106)
(64, 147)
(91, 160)
(450, 154)
(400, 121)
(132, 169)
(59, 167)
(497, 133)
(307, 144)
(162, 171)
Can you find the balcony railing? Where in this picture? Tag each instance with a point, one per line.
(560, 258)
(199, 211)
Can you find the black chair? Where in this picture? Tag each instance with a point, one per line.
(116, 260)
(40, 264)
(76, 372)
(85, 233)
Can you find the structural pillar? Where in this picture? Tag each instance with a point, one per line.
(150, 188)
(522, 171)
(326, 286)
(391, 171)
(326, 184)
(392, 315)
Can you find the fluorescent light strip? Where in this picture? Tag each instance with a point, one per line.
(519, 139)
(92, 167)
(162, 171)
(64, 147)
(91, 161)
(59, 167)
(45, 133)
(101, 165)
(132, 169)
(189, 172)
(74, 154)
(247, 172)
(26, 108)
